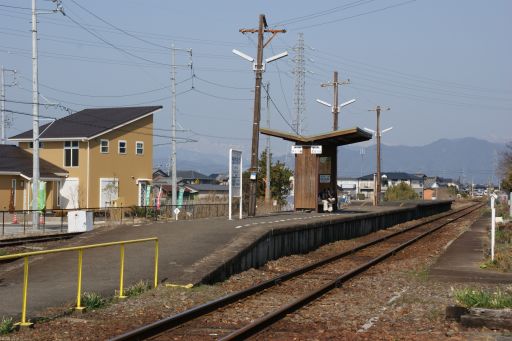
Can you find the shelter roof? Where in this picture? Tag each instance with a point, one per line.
(338, 137)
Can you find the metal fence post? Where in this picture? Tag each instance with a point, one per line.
(121, 215)
(3, 223)
(121, 272)
(24, 221)
(79, 283)
(61, 220)
(24, 322)
(156, 264)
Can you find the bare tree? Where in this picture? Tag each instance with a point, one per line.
(505, 167)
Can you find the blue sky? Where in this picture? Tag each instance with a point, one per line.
(443, 66)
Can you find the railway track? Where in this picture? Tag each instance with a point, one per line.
(36, 239)
(298, 288)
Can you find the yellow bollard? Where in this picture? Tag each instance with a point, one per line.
(156, 263)
(24, 322)
(121, 273)
(79, 282)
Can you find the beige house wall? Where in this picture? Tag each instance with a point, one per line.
(125, 168)
(94, 165)
(5, 191)
(53, 152)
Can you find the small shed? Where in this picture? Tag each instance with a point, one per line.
(317, 172)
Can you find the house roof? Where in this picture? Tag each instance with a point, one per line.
(338, 137)
(88, 123)
(190, 174)
(208, 187)
(16, 161)
(393, 176)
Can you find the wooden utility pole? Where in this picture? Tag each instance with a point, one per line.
(335, 108)
(378, 177)
(261, 30)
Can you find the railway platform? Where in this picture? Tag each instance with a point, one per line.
(462, 259)
(191, 251)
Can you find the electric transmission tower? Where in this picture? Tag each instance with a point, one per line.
(299, 97)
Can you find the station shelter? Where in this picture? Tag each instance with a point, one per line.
(316, 159)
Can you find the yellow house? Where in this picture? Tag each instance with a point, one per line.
(107, 153)
(16, 179)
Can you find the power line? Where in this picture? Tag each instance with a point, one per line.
(112, 45)
(356, 15)
(221, 97)
(280, 114)
(120, 29)
(322, 13)
(222, 85)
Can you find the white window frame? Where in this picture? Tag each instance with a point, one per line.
(101, 146)
(119, 147)
(136, 148)
(71, 147)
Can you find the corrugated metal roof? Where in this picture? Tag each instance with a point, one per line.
(393, 176)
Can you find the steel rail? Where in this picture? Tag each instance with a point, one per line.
(37, 239)
(165, 324)
(273, 317)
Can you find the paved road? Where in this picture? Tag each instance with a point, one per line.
(52, 278)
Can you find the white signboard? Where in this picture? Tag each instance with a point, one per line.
(296, 149)
(316, 149)
(235, 178)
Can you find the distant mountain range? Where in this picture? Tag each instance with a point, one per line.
(468, 159)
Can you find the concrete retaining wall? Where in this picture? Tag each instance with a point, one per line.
(306, 237)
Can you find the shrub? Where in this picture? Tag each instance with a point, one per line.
(137, 289)
(92, 300)
(481, 299)
(402, 191)
(6, 325)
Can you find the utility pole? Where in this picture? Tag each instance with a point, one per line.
(262, 28)
(3, 84)
(335, 108)
(378, 177)
(299, 98)
(173, 127)
(172, 164)
(35, 121)
(268, 196)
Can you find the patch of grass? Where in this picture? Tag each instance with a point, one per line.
(92, 300)
(3, 252)
(420, 274)
(502, 252)
(471, 298)
(6, 325)
(137, 289)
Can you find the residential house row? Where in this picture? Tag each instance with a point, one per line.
(427, 188)
(93, 158)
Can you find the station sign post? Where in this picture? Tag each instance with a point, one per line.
(235, 179)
